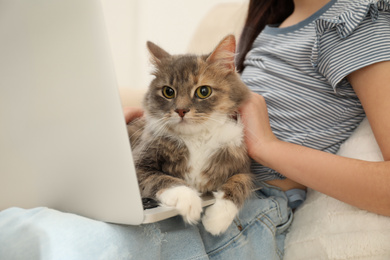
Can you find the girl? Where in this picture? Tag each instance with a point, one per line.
(316, 94)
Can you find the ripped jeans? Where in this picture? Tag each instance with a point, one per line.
(258, 232)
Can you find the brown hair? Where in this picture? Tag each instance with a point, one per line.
(260, 13)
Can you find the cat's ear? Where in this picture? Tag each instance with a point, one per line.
(157, 53)
(224, 53)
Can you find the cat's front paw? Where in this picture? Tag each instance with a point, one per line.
(185, 200)
(219, 216)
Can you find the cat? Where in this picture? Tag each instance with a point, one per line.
(191, 140)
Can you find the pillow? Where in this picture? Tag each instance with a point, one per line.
(326, 228)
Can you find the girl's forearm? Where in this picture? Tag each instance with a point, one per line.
(360, 183)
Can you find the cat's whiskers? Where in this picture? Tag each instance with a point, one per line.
(157, 131)
(221, 119)
(141, 129)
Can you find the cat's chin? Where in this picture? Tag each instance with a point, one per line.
(190, 126)
(186, 128)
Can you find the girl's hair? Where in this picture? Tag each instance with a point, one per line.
(260, 13)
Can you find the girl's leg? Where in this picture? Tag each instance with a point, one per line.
(257, 233)
(43, 233)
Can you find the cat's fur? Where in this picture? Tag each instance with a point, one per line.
(185, 145)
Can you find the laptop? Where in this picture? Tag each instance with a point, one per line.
(63, 138)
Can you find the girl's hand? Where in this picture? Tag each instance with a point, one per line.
(257, 129)
(132, 113)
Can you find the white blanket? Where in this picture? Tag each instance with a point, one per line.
(325, 228)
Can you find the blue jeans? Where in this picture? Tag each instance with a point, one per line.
(258, 232)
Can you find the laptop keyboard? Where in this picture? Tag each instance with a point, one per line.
(149, 203)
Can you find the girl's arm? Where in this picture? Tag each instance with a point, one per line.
(360, 183)
(132, 113)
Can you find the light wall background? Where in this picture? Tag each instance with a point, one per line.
(168, 23)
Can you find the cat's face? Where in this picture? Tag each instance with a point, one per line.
(191, 93)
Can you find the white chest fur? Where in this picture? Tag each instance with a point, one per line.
(202, 146)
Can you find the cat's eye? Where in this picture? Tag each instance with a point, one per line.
(203, 92)
(168, 92)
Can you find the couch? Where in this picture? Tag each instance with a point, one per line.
(323, 228)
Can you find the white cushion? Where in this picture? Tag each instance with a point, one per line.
(326, 228)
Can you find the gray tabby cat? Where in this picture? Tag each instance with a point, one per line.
(190, 140)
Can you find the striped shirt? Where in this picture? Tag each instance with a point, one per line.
(301, 72)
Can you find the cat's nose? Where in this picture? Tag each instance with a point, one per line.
(182, 112)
